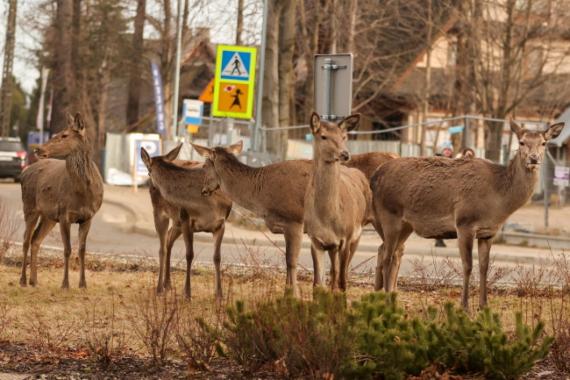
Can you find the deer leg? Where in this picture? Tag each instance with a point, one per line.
(484, 248)
(83, 231)
(161, 227)
(395, 236)
(379, 278)
(465, 241)
(293, 238)
(64, 228)
(188, 235)
(173, 234)
(349, 252)
(40, 233)
(333, 255)
(318, 269)
(31, 223)
(218, 236)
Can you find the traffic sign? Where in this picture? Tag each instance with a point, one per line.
(234, 82)
(561, 176)
(192, 110)
(333, 85)
(207, 95)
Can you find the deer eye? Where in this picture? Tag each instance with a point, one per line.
(521, 143)
(323, 137)
(544, 143)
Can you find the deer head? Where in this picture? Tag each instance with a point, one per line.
(149, 161)
(213, 156)
(330, 138)
(532, 144)
(66, 142)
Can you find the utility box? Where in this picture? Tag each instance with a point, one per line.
(333, 85)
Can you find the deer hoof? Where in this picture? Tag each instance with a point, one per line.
(33, 282)
(83, 285)
(23, 282)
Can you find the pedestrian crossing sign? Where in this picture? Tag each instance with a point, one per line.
(234, 82)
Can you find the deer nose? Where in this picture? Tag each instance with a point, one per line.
(344, 155)
(205, 192)
(533, 160)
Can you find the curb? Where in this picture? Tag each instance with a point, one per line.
(145, 229)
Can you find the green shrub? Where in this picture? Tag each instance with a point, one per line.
(308, 337)
(376, 339)
(482, 346)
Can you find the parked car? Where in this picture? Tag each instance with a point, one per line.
(12, 158)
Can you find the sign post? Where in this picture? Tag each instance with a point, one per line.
(234, 82)
(333, 85)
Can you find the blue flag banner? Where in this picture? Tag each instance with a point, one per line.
(158, 98)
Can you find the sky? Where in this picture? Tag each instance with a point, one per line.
(216, 14)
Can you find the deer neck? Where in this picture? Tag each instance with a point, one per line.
(519, 184)
(80, 170)
(241, 182)
(325, 182)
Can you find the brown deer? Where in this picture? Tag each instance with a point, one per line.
(275, 192)
(63, 187)
(367, 163)
(465, 199)
(337, 199)
(166, 214)
(181, 187)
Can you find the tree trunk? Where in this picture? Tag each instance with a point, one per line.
(286, 50)
(270, 103)
(63, 80)
(427, 82)
(136, 65)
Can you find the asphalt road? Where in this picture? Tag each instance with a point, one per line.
(111, 234)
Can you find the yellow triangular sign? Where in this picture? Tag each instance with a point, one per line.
(207, 95)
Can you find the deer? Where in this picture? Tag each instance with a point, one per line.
(275, 192)
(166, 215)
(464, 199)
(367, 163)
(337, 201)
(64, 186)
(181, 188)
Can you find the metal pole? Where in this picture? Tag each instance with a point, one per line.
(328, 90)
(177, 69)
(258, 105)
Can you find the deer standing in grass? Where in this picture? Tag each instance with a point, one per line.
(181, 188)
(166, 214)
(275, 192)
(465, 199)
(63, 187)
(338, 198)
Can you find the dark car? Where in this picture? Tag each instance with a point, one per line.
(12, 158)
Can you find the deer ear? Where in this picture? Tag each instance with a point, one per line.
(517, 129)
(70, 120)
(350, 122)
(315, 122)
(79, 123)
(202, 150)
(171, 156)
(553, 131)
(235, 148)
(146, 158)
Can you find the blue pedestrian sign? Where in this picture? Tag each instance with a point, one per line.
(236, 65)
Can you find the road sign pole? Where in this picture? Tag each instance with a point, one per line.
(177, 70)
(258, 104)
(333, 85)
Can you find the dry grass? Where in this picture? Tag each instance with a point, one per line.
(119, 316)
